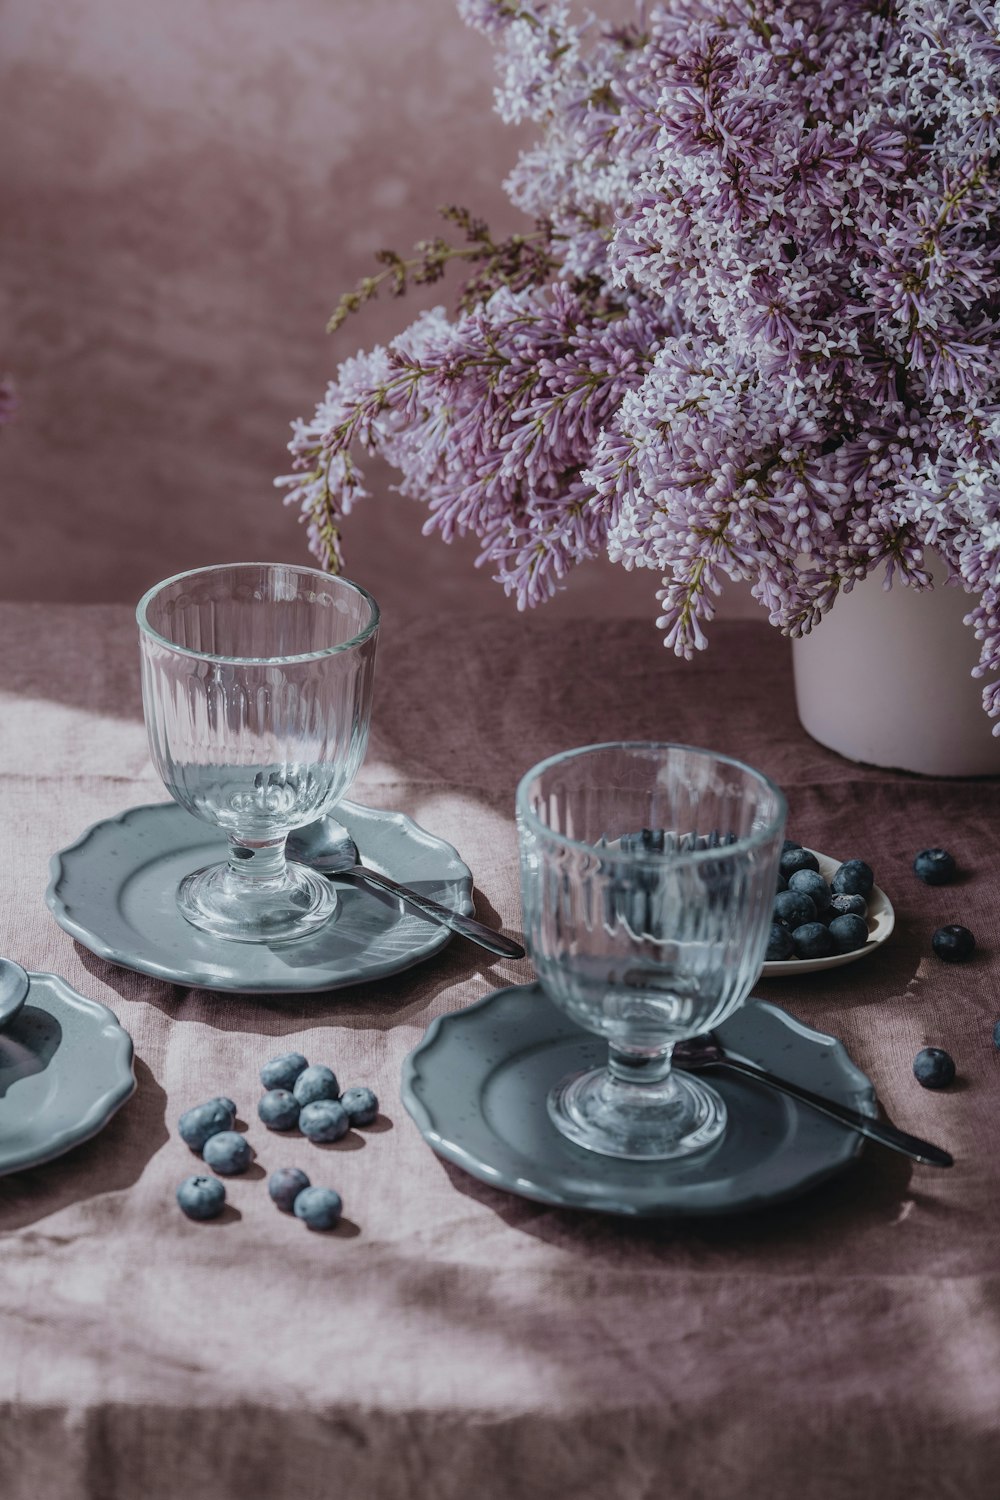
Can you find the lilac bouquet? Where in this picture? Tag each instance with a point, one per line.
(753, 333)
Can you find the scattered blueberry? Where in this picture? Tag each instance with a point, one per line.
(848, 932)
(320, 1208)
(791, 909)
(933, 1068)
(361, 1105)
(226, 1104)
(812, 940)
(201, 1197)
(843, 906)
(797, 859)
(853, 878)
(779, 945)
(810, 883)
(228, 1153)
(935, 866)
(279, 1109)
(281, 1072)
(317, 1082)
(285, 1185)
(324, 1120)
(199, 1124)
(953, 943)
(996, 1034)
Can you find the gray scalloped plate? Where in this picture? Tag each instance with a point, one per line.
(65, 1068)
(476, 1086)
(113, 890)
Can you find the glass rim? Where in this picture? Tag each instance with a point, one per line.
(142, 618)
(741, 845)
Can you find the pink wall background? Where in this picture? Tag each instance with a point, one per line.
(188, 188)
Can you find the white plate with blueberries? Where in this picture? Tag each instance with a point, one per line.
(827, 912)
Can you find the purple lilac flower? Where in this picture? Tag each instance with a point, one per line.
(769, 347)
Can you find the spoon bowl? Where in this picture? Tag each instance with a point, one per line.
(327, 847)
(14, 986)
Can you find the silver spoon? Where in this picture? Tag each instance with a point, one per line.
(327, 847)
(707, 1052)
(14, 985)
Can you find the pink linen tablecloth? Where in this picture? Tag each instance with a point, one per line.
(450, 1341)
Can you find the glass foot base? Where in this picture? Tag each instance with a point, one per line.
(641, 1122)
(276, 910)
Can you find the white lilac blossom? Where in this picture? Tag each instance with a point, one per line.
(752, 335)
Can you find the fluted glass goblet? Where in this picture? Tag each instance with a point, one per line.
(257, 687)
(648, 874)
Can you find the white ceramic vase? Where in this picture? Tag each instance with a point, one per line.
(885, 679)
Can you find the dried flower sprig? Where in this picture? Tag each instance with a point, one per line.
(517, 261)
(757, 337)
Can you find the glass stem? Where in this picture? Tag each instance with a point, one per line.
(639, 1065)
(257, 860)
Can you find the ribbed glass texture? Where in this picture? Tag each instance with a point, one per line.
(257, 684)
(648, 877)
(257, 689)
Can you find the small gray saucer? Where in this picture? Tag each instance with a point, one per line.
(476, 1086)
(114, 891)
(65, 1068)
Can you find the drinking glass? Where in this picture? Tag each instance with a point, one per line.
(648, 874)
(256, 686)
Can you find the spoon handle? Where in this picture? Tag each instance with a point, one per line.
(876, 1130)
(467, 927)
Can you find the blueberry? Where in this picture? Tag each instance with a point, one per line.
(781, 883)
(319, 1207)
(285, 1185)
(281, 1072)
(848, 932)
(279, 1109)
(201, 1197)
(953, 943)
(715, 840)
(934, 866)
(789, 844)
(812, 940)
(324, 1120)
(933, 1068)
(361, 1105)
(842, 906)
(199, 1124)
(228, 1153)
(996, 1034)
(853, 878)
(645, 841)
(317, 1082)
(791, 909)
(809, 883)
(797, 859)
(226, 1103)
(779, 944)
